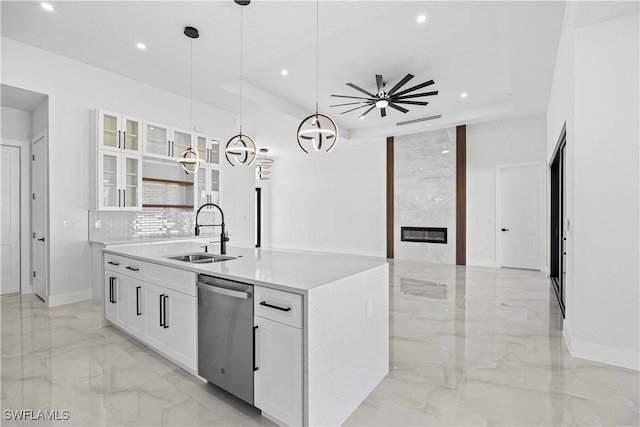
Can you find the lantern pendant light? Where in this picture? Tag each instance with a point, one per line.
(241, 147)
(190, 159)
(317, 128)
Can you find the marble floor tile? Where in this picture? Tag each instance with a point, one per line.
(468, 346)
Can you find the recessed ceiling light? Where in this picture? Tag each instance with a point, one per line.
(141, 46)
(421, 19)
(463, 95)
(46, 6)
(362, 117)
(445, 151)
(284, 72)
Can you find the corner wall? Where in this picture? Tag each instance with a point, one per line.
(595, 90)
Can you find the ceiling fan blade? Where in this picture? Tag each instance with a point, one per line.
(383, 112)
(410, 102)
(357, 108)
(360, 89)
(416, 87)
(349, 103)
(350, 97)
(397, 107)
(379, 83)
(367, 112)
(401, 83)
(415, 95)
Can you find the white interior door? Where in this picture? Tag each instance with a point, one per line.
(39, 216)
(10, 219)
(519, 215)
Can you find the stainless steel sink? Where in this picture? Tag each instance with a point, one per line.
(200, 258)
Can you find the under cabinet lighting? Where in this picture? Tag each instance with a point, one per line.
(46, 6)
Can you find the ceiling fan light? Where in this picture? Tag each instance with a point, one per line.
(382, 103)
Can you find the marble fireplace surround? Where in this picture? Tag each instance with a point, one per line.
(424, 183)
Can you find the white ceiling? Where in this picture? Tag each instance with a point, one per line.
(501, 53)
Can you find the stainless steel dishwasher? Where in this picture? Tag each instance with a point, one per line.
(225, 335)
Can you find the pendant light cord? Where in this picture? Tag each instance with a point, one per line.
(191, 96)
(241, 97)
(317, 49)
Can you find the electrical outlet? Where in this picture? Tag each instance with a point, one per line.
(98, 223)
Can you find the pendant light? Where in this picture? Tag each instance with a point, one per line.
(190, 159)
(317, 128)
(241, 147)
(263, 164)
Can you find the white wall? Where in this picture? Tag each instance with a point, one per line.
(16, 124)
(75, 89)
(596, 90)
(490, 144)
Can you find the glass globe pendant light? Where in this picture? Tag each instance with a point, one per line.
(190, 159)
(319, 129)
(241, 147)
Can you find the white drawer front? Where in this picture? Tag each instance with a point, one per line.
(170, 277)
(283, 307)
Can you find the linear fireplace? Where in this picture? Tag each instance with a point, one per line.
(423, 234)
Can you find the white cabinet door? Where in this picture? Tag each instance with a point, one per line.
(131, 182)
(121, 299)
(180, 141)
(154, 330)
(181, 328)
(156, 140)
(136, 308)
(109, 180)
(278, 380)
(131, 135)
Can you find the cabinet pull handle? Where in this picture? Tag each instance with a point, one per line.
(111, 290)
(505, 229)
(255, 368)
(266, 304)
(115, 291)
(124, 198)
(132, 268)
(124, 139)
(138, 312)
(113, 263)
(119, 200)
(160, 305)
(118, 139)
(169, 148)
(164, 309)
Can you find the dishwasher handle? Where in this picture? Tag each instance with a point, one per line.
(223, 291)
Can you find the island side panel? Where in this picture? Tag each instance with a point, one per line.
(347, 350)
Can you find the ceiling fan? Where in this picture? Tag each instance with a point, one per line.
(383, 99)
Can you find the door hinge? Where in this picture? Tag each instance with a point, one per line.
(34, 273)
(34, 234)
(33, 196)
(33, 157)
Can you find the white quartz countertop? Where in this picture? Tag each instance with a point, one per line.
(290, 271)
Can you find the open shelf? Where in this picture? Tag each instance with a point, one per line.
(168, 181)
(168, 206)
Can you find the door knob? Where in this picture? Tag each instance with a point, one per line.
(41, 239)
(505, 229)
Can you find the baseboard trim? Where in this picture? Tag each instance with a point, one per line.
(615, 356)
(70, 297)
(379, 254)
(478, 263)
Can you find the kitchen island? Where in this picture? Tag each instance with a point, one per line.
(318, 359)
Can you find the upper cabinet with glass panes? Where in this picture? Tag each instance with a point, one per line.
(208, 149)
(162, 141)
(118, 132)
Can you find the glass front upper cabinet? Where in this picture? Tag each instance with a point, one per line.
(156, 140)
(117, 132)
(180, 142)
(208, 149)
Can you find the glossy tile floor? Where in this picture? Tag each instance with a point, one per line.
(468, 346)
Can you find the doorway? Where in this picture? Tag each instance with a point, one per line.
(558, 220)
(519, 210)
(10, 247)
